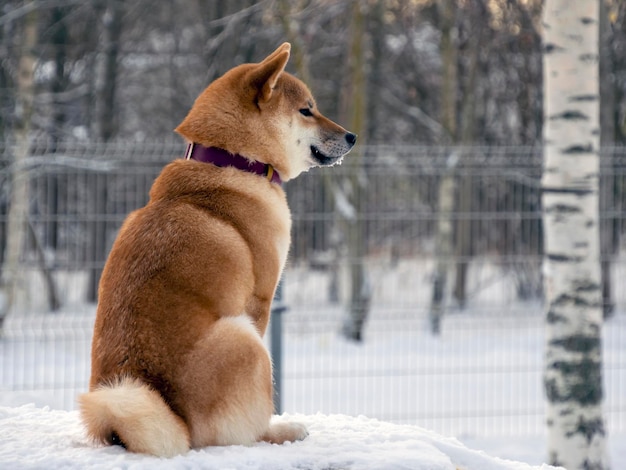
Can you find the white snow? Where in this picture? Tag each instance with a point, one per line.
(40, 438)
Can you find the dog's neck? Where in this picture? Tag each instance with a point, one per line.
(222, 158)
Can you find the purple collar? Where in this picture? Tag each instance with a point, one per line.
(222, 158)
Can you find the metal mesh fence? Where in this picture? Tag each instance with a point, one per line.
(481, 374)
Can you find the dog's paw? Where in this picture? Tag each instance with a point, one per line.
(279, 433)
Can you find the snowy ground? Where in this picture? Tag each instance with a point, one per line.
(35, 438)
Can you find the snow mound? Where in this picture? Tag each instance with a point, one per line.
(38, 438)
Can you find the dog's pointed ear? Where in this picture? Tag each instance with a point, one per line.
(265, 75)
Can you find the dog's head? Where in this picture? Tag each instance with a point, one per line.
(267, 115)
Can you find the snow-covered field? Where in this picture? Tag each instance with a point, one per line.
(480, 382)
(34, 438)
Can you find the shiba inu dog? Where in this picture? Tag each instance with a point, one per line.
(177, 358)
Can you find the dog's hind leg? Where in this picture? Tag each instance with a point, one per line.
(225, 388)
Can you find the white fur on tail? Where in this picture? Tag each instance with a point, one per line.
(138, 415)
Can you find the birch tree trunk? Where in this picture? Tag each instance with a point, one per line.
(573, 367)
(18, 206)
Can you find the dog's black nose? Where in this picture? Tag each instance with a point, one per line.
(351, 138)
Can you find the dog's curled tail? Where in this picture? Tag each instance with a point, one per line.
(129, 413)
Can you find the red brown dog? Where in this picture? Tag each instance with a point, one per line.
(177, 357)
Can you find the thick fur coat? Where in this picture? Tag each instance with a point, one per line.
(178, 360)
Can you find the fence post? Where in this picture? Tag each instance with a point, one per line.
(276, 345)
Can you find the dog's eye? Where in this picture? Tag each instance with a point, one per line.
(306, 112)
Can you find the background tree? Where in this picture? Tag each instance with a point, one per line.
(351, 188)
(111, 15)
(18, 205)
(473, 44)
(573, 374)
(610, 135)
(58, 86)
(447, 184)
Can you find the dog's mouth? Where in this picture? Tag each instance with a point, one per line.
(321, 158)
